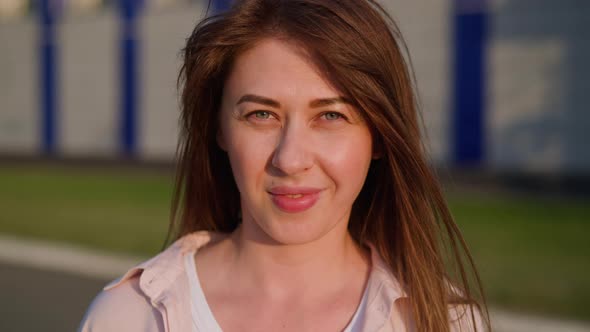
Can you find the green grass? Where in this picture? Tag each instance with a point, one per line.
(532, 253)
(119, 212)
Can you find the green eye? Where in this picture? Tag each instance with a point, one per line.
(332, 115)
(263, 115)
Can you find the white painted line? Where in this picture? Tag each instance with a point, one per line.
(503, 321)
(96, 264)
(65, 258)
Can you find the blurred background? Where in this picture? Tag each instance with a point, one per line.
(89, 124)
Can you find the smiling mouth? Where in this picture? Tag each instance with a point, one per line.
(294, 202)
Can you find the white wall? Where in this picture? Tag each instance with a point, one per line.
(19, 125)
(426, 27)
(92, 83)
(164, 34)
(88, 122)
(538, 73)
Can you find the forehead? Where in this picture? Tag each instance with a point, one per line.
(277, 68)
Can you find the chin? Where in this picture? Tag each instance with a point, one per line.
(292, 231)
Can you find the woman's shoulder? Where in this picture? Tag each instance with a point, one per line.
(136, 301)
(122, 308)
(389, 297)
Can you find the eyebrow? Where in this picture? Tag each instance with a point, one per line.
(259, 100)
(329, 101)
(273, 103)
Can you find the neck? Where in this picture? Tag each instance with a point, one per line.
(268, 267)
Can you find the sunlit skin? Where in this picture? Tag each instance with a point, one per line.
(290, 266)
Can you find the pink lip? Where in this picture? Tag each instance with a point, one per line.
(291, 204)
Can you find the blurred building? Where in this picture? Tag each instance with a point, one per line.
(13, 9)
(535, 114)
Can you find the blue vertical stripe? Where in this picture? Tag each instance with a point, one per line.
(470, 30)
(48, 77)
(129, 70)
(129, 95)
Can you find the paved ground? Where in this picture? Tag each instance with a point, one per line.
(41, 300)
(48, 287)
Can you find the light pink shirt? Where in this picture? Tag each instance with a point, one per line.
(154, 296)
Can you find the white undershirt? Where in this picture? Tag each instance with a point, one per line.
(203, 319)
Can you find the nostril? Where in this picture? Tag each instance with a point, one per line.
(293, 151)
(291, 159)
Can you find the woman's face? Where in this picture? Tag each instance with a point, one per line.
(298, 151)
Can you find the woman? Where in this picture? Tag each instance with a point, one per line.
(303, 202)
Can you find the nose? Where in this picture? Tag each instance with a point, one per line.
(292, 154)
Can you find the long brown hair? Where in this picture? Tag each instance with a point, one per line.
(401, 210)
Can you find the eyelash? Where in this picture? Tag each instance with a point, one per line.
(254, 113)
(340, 115)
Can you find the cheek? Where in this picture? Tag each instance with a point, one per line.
(347, 159)
(249, 155)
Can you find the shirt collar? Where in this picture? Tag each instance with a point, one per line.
(383, 290)
(159, 273)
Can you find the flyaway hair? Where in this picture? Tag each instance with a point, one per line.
(401, 210)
